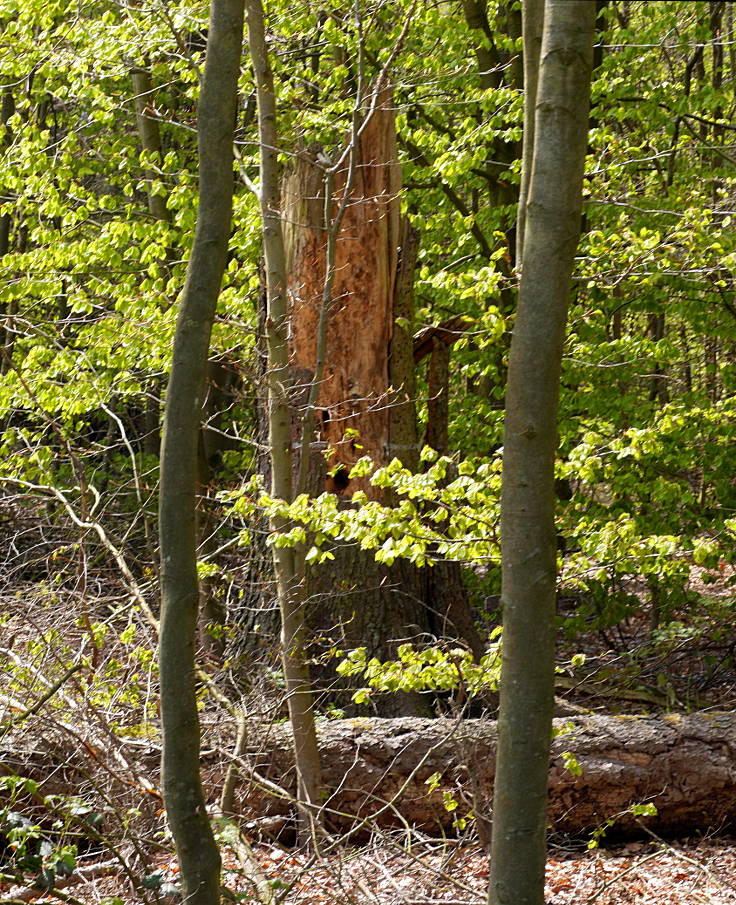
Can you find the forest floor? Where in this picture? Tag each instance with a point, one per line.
(667, 874)
(686, 872)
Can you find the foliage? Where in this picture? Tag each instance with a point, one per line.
(428, 669)
(434, 514)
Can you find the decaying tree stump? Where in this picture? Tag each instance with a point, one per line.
(377, 770)
(364, 403)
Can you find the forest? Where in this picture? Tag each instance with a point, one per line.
(367, 430)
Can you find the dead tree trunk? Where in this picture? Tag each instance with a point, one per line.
(364, 403)
(684, 765)
(352, 397)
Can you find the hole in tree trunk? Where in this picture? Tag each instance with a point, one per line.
(340, 480)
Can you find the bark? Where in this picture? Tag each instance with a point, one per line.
(221, 381)
(197, 851)
(7, 108)
(496, 68)
(658, 390)
(532, 12)
(529, 546)
(684, 765)
(362, 395)
(150, 136)
(438, 403)
(402, 427)
(444, 580)
(289, 574)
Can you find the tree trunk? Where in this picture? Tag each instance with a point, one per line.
(681, 764)
(658, 390)
(289, 575)
(198, 855)
(529, 546)
(353, 393)
(532, 12)
(364, 400)
(150, 136)
(7, 108)
(402, 428)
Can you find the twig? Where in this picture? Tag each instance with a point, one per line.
(599, 892)
(80, 875)
(683, 857)
(34, 708)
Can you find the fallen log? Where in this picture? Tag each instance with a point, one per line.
(394, 772)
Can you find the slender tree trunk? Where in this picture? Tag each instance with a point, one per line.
(658, 390)
(289, 575)
(150, 136)
(199, 858)
(402, 427)
(532, 12)
(7, 108)
(530, 441)
(438, 403)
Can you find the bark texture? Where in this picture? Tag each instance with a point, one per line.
(150, 136)
(528, 543)
(7, 108)
(402, 429)
(532, 17)
(684, 765)
(197, 852)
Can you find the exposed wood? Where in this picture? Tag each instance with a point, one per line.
(365, 395)
(352, 396)
(448, 331)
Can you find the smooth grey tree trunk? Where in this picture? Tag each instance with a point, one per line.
(532, 18)
(287, 562)
(530, 441)
(198, 855)
(150, 136)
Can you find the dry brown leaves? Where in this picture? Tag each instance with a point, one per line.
(385, 873)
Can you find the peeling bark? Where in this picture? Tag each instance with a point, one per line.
(353, 395)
